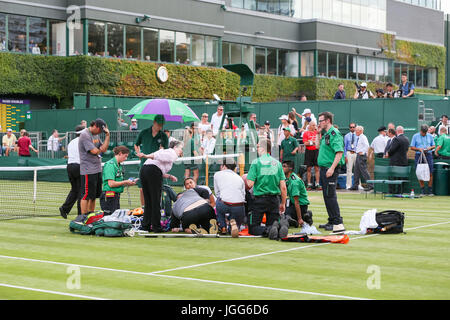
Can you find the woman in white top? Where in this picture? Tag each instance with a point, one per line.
(155, 168)
(285, 122)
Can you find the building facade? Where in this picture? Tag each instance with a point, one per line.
(357, 40)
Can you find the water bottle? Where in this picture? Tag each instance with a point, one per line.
(412, 194)
(163, 213)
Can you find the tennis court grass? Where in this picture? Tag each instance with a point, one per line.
(41, 259)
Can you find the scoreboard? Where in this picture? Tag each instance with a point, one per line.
(13, 113)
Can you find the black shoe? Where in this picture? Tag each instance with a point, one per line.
(307, 217)
(292, 222)
(284, 228)
(353, 189)
(273, 231)
(63, 214)
(323, 226)
(329, 227)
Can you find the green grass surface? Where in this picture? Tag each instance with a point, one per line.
(38, 256)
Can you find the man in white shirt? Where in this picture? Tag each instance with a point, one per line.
(230, 192)
(362, 149)
(209, 143)
(73, 172)
(53, 142)
(379, 143)
(216, 119)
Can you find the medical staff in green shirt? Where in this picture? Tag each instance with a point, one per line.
(297, 203)
(149, 141)
(113, 182)
(443, 144)
(267, 178)
(331, 149)
(288, 147)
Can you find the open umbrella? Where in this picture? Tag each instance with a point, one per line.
(172, 110)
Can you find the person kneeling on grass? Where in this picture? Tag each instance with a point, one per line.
(297, 204)
(193, 212)
(113, 183)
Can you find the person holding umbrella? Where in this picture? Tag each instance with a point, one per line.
(149, 141)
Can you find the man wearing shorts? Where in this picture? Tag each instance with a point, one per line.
(90, 148)
(311, 154)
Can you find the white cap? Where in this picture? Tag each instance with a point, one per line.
(9, 129)
(364, 84)
(133, 120)
(306, 111)
(284, 117)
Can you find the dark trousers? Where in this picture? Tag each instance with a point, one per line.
(330, 196)
(199, 216)
(151, 179)
(109, 204)
(290, 211)
(360, 171)
(270, 205)
(73, 172)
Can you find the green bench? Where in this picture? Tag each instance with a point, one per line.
(390, 176)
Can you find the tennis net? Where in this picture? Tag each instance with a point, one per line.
(27, 192)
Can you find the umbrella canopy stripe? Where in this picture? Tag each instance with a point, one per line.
(172, 110)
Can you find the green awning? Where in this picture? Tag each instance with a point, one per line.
(246, 74)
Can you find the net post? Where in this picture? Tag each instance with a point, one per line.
(34, 184)
(206, 171)
(241, 161)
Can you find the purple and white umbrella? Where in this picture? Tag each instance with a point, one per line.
(171, 110)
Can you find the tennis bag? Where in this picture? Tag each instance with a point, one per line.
(82, 224)
(389, 221)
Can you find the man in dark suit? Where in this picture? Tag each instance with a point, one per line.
(398, 149)
(398, 154)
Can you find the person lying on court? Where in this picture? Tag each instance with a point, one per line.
(113, 183)
(189, 183)
(297, 202)
(193, 212)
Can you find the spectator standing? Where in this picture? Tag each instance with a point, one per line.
(204, 125)
(252, 117)
(284, 124)
(90, 148)
(406, 87)
(390, 93)
(443, 123)
(307, 117)
(148, 141)
(311, 155)
(134, 125)
(216, 120)
(83, 123)
(443, 145)
(331, 150)
(190, 150)
(293, 120)
(363, 93)
(350, 153)
(423, 142)
(379, 143)
(24, 145)
(208, 144)
(53, 142)
(398, 149)
(362, 149)
(230, 192)
(340, 93)
(9, 141)
(391, 134)
(73, 172)
(267, 179)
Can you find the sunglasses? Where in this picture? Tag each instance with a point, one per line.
(352, 127)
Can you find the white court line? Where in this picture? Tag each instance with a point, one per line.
(51, 292)
(156, 274)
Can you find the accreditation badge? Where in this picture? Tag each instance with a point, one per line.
(110, 194)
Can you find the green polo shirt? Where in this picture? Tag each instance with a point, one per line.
(150, 144)
(331, 143)
(267, 173)
(444, 142)
(112, 171)
(288, 145)
(296, 188)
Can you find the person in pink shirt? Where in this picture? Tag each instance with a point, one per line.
(154, 169)
(311, 154)
(24, 144)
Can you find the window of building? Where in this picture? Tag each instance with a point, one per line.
(260, 60)
(3, 45)
(183, 47)
(133, 45)
(361, 68)
(57, 34)
(150, 44)
(352, 70)
(96, 38)
(307, 63)
(37, 36)
(167, 45)
(76, 39)
(288, 63)
(248, 56)
(419, 77)
(17, 29)
(322, 64)
(212, 51)
(431, 78)
(225, 53)
(271, 61)
(332, 65)
(198, 50)
(236, 53)
(115, 40)
(342, 66)
(371, 70)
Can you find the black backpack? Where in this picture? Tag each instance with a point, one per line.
(389, 221)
